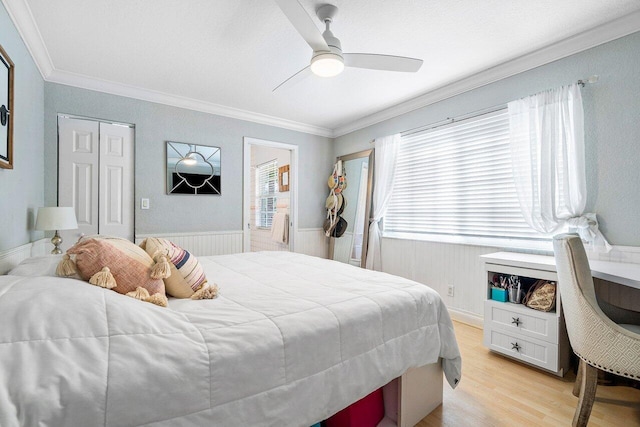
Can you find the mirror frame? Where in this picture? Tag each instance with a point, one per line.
(171, 146)
(6, 161)
(367, 210)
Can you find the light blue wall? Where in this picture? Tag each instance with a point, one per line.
(157, 123)
(612, 126)
(21, 188)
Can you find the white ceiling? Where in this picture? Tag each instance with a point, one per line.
(226, 56)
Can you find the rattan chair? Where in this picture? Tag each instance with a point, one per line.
(603, 336)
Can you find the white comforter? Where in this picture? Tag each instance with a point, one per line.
(290, 340)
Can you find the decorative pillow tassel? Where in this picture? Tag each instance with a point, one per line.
(66, 267)
(162, 268)
(104, 279)
(158, 299)
(206, 291)
(140, 293)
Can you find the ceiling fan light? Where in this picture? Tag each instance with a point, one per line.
(327, 65)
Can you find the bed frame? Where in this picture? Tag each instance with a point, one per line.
(417, 393)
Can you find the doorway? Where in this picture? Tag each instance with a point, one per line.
(270, 195)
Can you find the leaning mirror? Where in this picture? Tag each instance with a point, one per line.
(192, 169)
(351, 246)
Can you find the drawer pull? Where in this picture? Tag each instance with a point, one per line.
(516, 321)
(515, 346)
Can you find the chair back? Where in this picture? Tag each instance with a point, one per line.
(581, 311)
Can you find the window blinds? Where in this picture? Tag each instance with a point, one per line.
(457, 180)
(266, 189)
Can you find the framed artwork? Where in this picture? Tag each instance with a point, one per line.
(193, 169)
(283, 178)
(6, 110)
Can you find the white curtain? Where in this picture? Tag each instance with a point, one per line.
(547, 151)
(386, 151)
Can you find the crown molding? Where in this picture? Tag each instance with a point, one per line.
(22, 18)
(596, 36)
(129, 91)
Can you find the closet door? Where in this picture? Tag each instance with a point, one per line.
(95, 176)
(78, 163)
(116, 181)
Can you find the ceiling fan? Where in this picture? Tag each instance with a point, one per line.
(327, 59)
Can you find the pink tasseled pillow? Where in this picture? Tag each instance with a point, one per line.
(117, 264)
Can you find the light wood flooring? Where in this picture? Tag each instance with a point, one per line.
(497, 391)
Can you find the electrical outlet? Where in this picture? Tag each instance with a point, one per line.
(450, 290)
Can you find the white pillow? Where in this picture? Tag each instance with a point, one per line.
(37, 266)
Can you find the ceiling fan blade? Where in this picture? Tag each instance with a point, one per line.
(303, 23)
(382, 62)
(295, 79)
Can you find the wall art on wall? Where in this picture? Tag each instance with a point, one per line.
(283, 178)
(193, 169)
(6, 110)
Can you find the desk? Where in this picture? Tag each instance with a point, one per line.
(615, 282)
(617, 272)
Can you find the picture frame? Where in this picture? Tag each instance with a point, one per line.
(283, 178)
(7, 70)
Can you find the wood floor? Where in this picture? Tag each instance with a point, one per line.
(497, 391)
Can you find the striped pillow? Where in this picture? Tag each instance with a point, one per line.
(122, 261)
(187, 275)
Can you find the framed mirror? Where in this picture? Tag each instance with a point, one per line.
(351, 247)
(193, 169)
(6, 110)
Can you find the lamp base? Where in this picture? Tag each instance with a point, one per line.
(56, 241)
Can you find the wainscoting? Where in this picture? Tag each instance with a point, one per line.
(203, 243)
(13, 257)
(439, 265)
(309, 241)
(312, 241)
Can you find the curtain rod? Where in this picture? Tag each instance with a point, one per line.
(582, 82)
(449, 120)
(590, 80)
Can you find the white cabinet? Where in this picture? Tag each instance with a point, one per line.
(514, 330)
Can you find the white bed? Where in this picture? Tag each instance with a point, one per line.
(290, 340)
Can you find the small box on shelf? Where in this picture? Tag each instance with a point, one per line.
(499, 294)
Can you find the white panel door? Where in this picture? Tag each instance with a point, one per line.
(78, 164)
(116, 181)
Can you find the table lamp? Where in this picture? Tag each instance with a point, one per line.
(56, 218)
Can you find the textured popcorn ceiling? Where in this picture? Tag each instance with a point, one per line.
(234, 52)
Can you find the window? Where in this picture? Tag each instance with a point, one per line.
(266, 193)
(456, 180)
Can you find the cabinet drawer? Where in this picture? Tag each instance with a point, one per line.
(535, 352)
(521, 320)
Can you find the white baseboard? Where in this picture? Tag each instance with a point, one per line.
(466, 317)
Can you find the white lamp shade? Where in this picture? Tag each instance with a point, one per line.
(56, 218)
